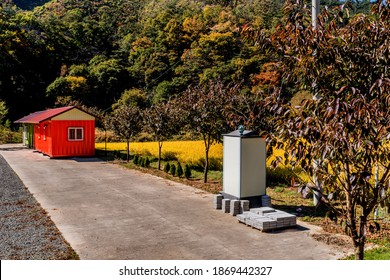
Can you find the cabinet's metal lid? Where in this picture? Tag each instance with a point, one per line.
(246, 133)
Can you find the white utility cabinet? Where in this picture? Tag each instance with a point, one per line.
(244, 166)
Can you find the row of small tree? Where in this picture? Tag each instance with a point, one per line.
(177, 170)
(207, 112)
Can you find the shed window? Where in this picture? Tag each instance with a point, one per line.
(75, 134)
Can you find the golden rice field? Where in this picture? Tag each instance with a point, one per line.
(185, 151)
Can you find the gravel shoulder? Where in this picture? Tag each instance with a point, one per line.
(26, 231)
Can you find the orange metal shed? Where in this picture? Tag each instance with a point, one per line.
(63, 132)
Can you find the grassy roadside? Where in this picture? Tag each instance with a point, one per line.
(288, 199)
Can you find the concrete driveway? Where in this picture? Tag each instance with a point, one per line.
(107, 212)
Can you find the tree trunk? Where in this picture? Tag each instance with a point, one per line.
(160, 143)
(359, 252)
(128, 149)
(206, 164)
(359, 245)
(105, 142)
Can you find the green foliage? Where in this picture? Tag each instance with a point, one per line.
(117, 154)
(142, 161)
(108, 79)
(136, 159)
(280, 175)
(187, 171)
(172, 169)
(214, 164)
(179, 170)
(381, 253)
(163, 91)
(25, 63)
(169, 155)
(147, 162)
(6, 133)
(3, 111)
(9, 136)
(132, 97)
(99, 83)
(167, 167)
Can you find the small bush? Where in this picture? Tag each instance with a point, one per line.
(136, 159)
(214, 164)
(142, 162)
(9, 136)
(279, 176)
(187, 171)
(173, 169)
(167, 167)
(169, 155)
(147, 162)
(116, 154)
(119, 155)
(145, 152)
(179, 170)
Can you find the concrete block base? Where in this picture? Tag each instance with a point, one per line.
(266, 219)
(263, 218)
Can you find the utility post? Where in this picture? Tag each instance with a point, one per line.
(315, 8)
(314, 15)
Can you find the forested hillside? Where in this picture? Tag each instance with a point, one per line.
(99, 51)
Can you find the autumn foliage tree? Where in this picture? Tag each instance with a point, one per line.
(202, 108)
(162, 121)
(250, 110)
(126, 121)
(347, 128)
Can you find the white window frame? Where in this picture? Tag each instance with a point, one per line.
(75, 133)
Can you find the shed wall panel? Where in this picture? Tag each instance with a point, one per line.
(63, 147)
(43, 138)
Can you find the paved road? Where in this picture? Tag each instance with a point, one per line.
(107, 212)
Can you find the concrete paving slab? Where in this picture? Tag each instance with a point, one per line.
(108, 212)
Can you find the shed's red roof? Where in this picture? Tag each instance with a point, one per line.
(41, 116)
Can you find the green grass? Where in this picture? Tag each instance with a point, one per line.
(381, 253)
(211, 175)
